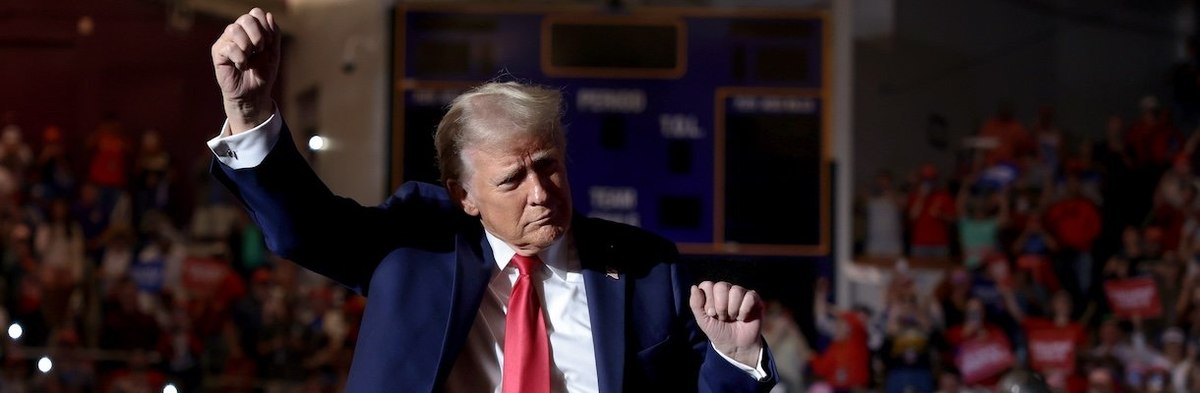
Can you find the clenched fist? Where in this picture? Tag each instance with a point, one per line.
(731, 317)
(246, 61)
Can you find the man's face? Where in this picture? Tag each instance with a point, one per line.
(518, 188)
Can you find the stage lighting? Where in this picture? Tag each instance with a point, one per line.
(15, 331)
(317, 143)
(45, 365)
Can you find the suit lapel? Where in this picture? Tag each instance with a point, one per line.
(472, 271)
(606, 290)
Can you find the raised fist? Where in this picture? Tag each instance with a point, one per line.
(246, 61)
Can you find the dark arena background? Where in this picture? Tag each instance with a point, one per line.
(931, 196)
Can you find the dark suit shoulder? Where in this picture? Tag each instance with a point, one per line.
(427, 204)
(415, 193)
(634, 248)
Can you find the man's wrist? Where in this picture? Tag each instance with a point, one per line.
(246, 115)
(744, 355)
(754, 356)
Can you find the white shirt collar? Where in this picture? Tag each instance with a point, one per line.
(554, 257)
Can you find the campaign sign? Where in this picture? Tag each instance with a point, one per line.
(1051, 349)
(984, 358)
(202, 277)
(1133, 297)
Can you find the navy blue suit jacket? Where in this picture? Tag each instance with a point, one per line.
(425, 265)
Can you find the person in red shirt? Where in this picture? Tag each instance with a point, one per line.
(1075, 223)
(930, 210)
(846, 363)
(1009, 138)
(108, 167)
(1058, 325)
(1153, 140)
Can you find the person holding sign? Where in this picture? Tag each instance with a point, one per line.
(1052, 343)
(980, 350)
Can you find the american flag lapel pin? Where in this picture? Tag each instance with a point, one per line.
(611, 272)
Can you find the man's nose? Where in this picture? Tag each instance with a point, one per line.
(537, 190)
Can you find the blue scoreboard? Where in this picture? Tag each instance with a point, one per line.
(705, 126)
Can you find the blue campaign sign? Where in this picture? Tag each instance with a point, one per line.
(704, 126)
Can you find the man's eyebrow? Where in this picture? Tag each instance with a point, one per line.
(508, 173)
(542, 155)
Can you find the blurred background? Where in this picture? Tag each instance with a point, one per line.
(933, 195)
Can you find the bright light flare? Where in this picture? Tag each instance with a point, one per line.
(15, 331)
(45, 365)
(317, 143)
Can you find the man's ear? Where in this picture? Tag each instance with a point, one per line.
(460, 197)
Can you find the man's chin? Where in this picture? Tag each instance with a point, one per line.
(545, 236)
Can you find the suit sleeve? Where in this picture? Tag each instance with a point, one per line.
(717, 374)
(303, 221)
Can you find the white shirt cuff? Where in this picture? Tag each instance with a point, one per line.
(757, 372)
(247, 149)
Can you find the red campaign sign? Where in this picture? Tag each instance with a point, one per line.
(202, 277)
(984, 358)
(1133, 297)
(1051, 349)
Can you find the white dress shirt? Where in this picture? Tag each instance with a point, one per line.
(559, 283)
(568, 322)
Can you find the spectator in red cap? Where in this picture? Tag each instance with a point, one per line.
(930, 210)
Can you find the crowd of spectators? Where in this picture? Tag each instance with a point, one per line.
(103, 289)
(1075, 257)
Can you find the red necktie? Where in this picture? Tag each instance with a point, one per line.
(526, 345)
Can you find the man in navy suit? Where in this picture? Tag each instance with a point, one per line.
(490, 284)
